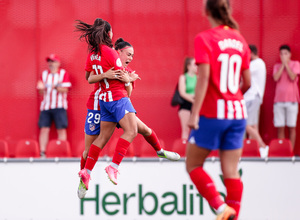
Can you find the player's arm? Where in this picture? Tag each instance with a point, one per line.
(109, 74)
(246, 81)
(200, 92)
(182, 89)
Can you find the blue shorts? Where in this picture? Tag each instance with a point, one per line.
(116, 110)
(92, 122)
(216, 134)
(59, 116)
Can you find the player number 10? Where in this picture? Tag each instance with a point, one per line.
(230, 72)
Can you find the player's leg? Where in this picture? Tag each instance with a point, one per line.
(107, 129)
(91, 130)
(195, 157)
(124, 113)
(230, 153)
(151, 137)
(234, 186)
(184, 116)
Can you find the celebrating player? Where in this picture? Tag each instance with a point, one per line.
(114, 102)
(218, 113)
(126, 52)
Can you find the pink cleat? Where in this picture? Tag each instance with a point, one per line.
(112, 174)
(85, 177)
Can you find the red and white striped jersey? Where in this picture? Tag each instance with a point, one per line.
(111, 89)
(52, 98)
(228, 54)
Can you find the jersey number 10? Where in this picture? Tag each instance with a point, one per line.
(230, 72)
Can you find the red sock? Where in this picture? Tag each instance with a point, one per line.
(120, 151)
(92, 157)
(153, 141)
(82, 162)
(206, 187)
(234, 193)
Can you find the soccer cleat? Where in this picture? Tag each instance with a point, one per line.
(264, 152)
(112, 174)
(85, 178)
(169, 155)
(81, 190)
(228, 214)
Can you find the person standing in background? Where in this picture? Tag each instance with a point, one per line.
(286, 100)
(254, 98)
(186, 87)
(218, 116)
(54, 85)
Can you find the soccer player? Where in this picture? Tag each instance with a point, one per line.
(92, 124)
(114, 102)
(219, 112)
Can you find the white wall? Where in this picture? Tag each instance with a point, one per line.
(48, 190)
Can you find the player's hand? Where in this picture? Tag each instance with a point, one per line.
(124, 76)
(112, 74)
(133, 76)
(193, 122)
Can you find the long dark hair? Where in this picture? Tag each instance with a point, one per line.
(95, 35)
(220, 10)
(120, 44)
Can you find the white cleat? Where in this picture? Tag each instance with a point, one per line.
(81, 192)
(169, 155)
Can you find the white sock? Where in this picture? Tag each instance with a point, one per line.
(88, 171)
(161, 151)
(114, 165)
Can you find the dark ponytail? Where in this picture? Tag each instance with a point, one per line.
(220, 10)
(120, 44)
(95, 35)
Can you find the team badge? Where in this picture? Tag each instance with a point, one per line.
(92, 127)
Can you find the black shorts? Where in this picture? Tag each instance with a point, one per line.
(59, 116)
(186, 105)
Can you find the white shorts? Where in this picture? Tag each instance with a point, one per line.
(285, 114)
(253, 107)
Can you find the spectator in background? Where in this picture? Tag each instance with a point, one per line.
(286, 100)
(254, 98)
(54, 85)
(186, 87)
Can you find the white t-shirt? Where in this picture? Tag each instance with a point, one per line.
(258, 80)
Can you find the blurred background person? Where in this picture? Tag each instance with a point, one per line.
(54, 85)
(186, 87)
(286, 99)
(254, 98)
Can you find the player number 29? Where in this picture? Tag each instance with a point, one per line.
(96, 118)
(230, 72)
